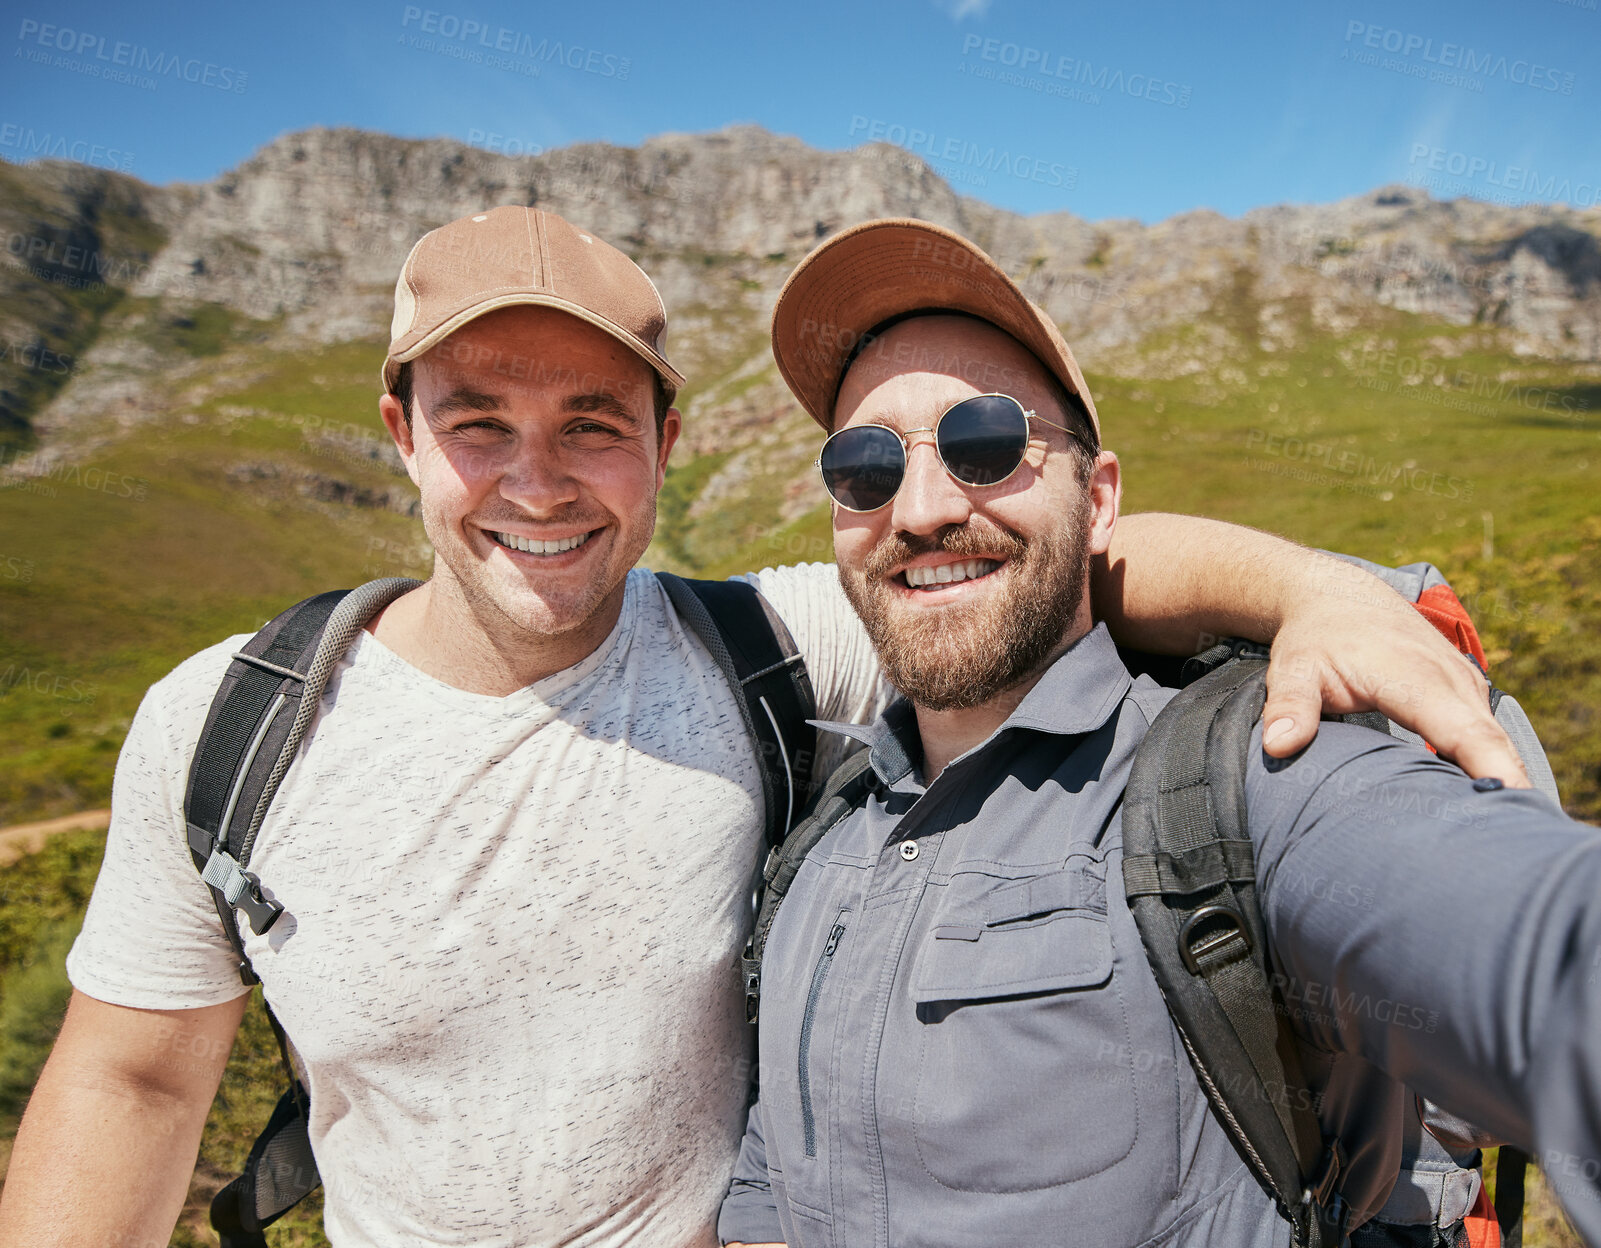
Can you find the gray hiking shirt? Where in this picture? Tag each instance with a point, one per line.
(962, 1043)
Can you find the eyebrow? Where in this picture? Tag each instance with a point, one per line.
(603, 403)
(466, 399)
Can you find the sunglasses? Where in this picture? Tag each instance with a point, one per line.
(981, 441)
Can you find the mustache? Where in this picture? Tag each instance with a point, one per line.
(512, 520)
(963, 541)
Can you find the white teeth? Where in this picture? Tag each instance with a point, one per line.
(949, 573)
(533, 546)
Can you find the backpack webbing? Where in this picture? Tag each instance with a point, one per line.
(1190, 879)
(758, 658)
(841, 793)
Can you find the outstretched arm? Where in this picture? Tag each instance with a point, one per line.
(1447, 934)
(1342, 639)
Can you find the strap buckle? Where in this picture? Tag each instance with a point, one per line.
(241, 888)
(1211, 942)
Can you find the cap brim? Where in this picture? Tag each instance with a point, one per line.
(865, 275)
(408, 348)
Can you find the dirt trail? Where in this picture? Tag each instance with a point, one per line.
(29, 838)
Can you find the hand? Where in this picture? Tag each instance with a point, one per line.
(1351, 643)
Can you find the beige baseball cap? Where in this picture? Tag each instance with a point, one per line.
(514, 255)
(878, 271)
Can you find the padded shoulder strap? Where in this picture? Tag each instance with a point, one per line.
(846, 789)
(257, 719)
(1189, 872)
(761, 663)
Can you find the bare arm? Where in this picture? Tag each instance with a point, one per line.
(1342, 639)
(108, 1143)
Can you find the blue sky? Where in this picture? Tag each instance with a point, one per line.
(1134, 110)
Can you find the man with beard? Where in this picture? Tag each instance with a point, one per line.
(515, 849)
(962, 1042)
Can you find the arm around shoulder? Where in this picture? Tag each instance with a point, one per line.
(109, 1139)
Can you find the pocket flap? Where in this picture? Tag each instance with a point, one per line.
(1072, 889)
(1072, 950)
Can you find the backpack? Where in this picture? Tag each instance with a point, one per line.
(258, 718)
(1189, 877)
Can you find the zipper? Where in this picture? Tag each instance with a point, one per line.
(819, 974)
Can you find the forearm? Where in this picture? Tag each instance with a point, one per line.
(98, 1165)
(1449, 936)
(1170, 584)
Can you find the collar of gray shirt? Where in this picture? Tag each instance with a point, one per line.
(1077, 694)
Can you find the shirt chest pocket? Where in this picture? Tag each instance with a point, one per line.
(1023, 1077)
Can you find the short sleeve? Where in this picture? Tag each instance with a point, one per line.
(151, 938)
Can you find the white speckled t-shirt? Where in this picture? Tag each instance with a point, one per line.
(509, 958)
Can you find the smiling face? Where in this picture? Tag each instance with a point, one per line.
(968, 590)
(533, 442)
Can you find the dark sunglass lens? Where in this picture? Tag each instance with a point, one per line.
(863, 467)
(982, 439)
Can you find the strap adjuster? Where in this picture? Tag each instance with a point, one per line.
(240, 888)
(1211, 942)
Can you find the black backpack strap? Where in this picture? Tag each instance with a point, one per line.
(279, 1173)
(1190, 877)
(841, 793)
(759, 659)
(1510, 1167)
(258, 718)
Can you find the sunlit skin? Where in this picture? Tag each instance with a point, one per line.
(557, 441)
(879, 389)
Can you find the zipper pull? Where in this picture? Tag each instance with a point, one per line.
(833, 940)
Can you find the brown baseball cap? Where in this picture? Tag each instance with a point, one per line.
(514, 255)
(878, 271)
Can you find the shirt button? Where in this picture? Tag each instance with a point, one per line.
(909, 850)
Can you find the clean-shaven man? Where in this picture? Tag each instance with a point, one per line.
(962, 1043)
(516, 846)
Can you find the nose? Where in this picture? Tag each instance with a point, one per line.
(929, 498)
(538, 479)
